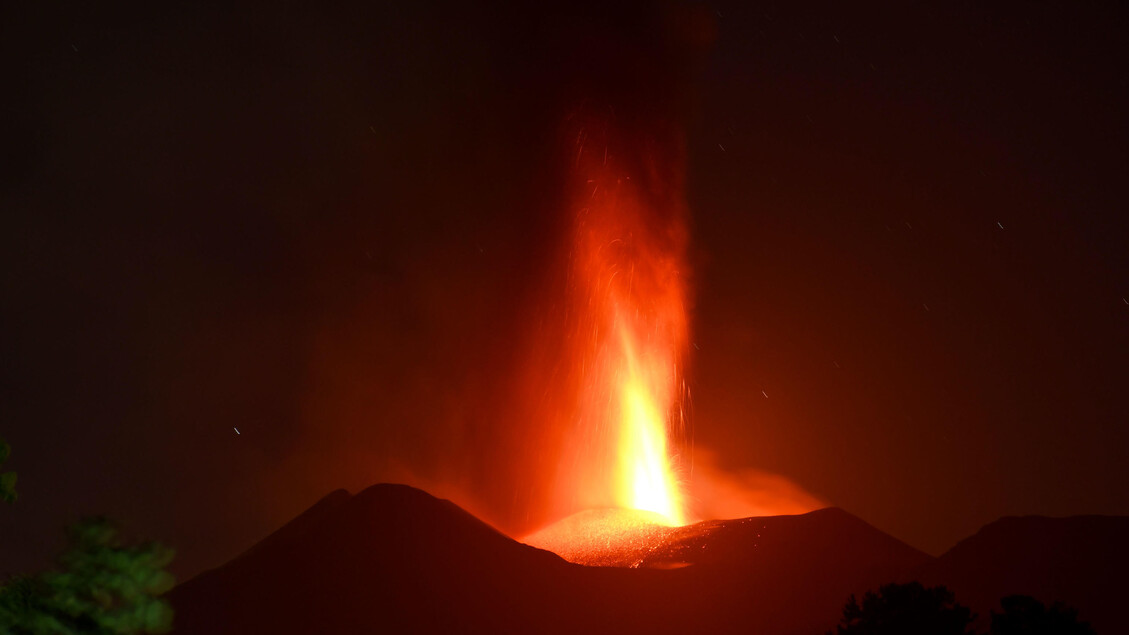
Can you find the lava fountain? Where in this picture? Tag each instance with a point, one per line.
(627, 329)
(616, 393)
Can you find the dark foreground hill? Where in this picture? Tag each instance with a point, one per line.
(395, 559)
(1082, 561)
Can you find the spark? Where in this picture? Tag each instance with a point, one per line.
(1000, 224)
(765, 394)
(925, 305)
(722, 147)
(237, 431)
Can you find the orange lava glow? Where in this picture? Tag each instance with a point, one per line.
(629, 332)
(645, 478)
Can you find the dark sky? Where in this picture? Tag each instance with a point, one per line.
(332, 229)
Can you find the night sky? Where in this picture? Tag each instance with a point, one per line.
(332, 229)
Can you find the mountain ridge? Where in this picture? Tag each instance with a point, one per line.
(397, 558)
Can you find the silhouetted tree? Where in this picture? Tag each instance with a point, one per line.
(7, 479)
(1024, 615)
(102, 587)
(898, 609)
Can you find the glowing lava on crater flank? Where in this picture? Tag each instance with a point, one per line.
(605, 537)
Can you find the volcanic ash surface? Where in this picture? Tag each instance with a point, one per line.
(614, 538)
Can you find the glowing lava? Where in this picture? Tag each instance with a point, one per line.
(645, 477)
(628, 331)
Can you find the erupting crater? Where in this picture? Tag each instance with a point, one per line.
(625, 333)
(610, 537)
(631, 538)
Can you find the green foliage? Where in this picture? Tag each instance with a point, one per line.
(7, 479)
(1024, 615)
(102, 588)
(898, 609)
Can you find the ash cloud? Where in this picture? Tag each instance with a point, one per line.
(716, 492)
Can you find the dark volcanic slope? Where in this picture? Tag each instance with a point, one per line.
(824, 538)
(793, 573)
(397, 559)
(390, 557)
(1082, 560)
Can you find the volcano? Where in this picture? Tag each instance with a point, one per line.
(396, 559)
